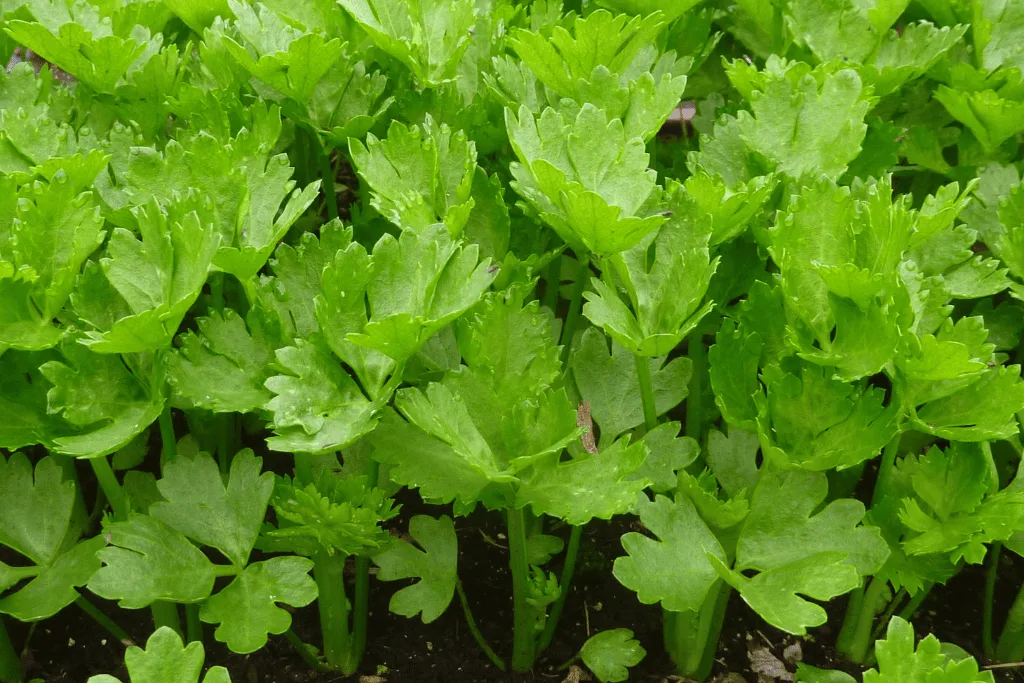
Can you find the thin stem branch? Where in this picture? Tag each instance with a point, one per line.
(168, 440)
(572, 319)
(1011, 640)
(885, 469)
(908, 612)
(568, 568)
(111, 488)
(694, 401)
(326, 175)
(103, 620)
(329, 574)
(552, 283)
(10, 662)
(477, 635)
(861, 644)
(890, 610)
(306, 651)
(991, 571)
(166, 614)
(193, 626)
(524, 618)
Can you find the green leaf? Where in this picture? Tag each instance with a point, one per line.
(667, 454)
(775, 594)
(157, 279)
(288, 59)
(991, 118)
(53, 588)
(54, 229)
(816, 422)
(36, 516)
(981, 411)
(419, 177)
(419, 283)
(609, 654)
(781, 529)
(734, 359)
(247, 610)
(811, 674)
(317, 407)
(899, 661)
(733, 459)
(146, 560)
(167, 660)
(199, 505)
(335, 514)
(436, 567)
(808, 126)
(223, 368)
(23, 403)
(665, 276)
(674, 570)
(608, 381)
(997, 26)
(99, 395)
(584, 177)
(598, 485)
(429, 36)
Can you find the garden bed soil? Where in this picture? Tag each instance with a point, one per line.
(70, 647)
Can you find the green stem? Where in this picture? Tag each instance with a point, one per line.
(111, 488)
(168, 440)
(643, 373)
(861, 643)
(571, 552)
(1011, 641)
(361, 608)
(883, 622)
(572, 319)
(307, 652)
(988, 643)
(694, 407)
(524, 643)
(477, 635)
(303, 468)
(10, 663)
(193, 626)
(103, 620)
(552, 283)
(885, 469)
(166, 614)
(845, 640)
(329, 573)
(326, 175)
(908, 612)
(692, 637)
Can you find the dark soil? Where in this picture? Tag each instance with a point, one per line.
(70, 647)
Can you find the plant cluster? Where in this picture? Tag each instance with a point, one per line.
(264, 264)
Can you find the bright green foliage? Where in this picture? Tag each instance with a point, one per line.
(436, 567)
(224, 366)
(419, 177)
(105, 53)
(606, 60)
(427, 36)
(152, 557)
(52, 230)
(105, 404)
(899, 660)
(167, 660)
(137, 297)
(806, 122)
(333, 514)
(953, 510)
(675, 569)
(40, 522)
(609, 654)
(608, 382)
(584, 176)
(665, 277)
